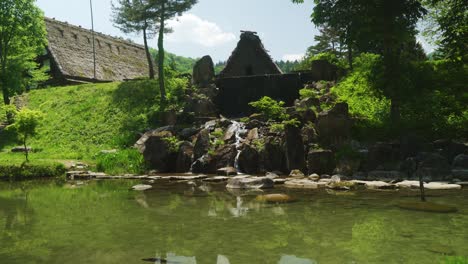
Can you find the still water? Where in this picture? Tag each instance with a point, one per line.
(105, 222)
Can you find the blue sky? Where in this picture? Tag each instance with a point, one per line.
(212, 27)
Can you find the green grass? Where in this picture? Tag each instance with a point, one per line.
(80, 121)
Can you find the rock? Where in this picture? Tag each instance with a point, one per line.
(379, 185)
(254, 123)
(408, 184)
(307, 103)
(216, 179)
(230, 132)
(169, 117)
(202, 105)
(184, 157)
(381, 175)
(335, 179)
(460, 174)
(450, 149)
(320, 161)
(202, 144)
(427, 207)
(341, 186)
(383, 156)
(308, 116)
(442, 186)
(334, 126)
(225, 156)
(205, 164)
(279, 180)
(271, 175)
(210, 125)
(273, 155)
(296, 174)
(110, 151)
(188, 133)
(314, 177)
(203, 72)
(227, 171)
(21, 149)
(248, 160)
(301, 184)
(309, 134)
(460, 162)
(186, 177)
(294, 149)
(253, 134)
(433, 167)
(157, 152)
(275, 198)
(250, 183)
(141, 187)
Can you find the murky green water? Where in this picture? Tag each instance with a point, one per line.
(104, 222)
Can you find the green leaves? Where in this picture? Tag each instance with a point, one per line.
(271, 109)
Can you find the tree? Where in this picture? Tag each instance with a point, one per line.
(328, 41)
(161, 11)
(383, 27)
(22, 38)
(447, 26)
(25, 124)
(133, 16)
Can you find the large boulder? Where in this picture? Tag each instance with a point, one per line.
(273, 156)
(158, 153)
(203, 72)
(334, 126)
(225, 156)
(202, 105)
(248, 160)
(321, 161)
(460, 162)
(202, 144)
(383, 156)
(184, 157)
(295, 156)
(205, 164)
(433, 167)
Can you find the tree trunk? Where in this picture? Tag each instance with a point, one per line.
(421, 188)
(148, 55)
(5, 91)
(161, 56)
(26, 152)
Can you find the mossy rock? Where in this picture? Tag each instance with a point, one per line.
(427, 207)
(275, 198)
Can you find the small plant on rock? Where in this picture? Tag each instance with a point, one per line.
(270, 108)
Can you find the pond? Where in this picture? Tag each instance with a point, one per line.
(106, 222)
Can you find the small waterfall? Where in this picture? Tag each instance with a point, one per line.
(238, 128)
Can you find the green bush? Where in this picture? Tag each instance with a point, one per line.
(269, 108)
(121, 162)
(31, 170)
(305, 64)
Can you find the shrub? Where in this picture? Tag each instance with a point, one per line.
(25, 124)
(271, 109)
(124, 161)
(29, 171)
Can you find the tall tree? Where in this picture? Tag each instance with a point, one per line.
(447, 26)
(133, 16)
(162, 11)
(327, 41)
(380, 26)
(22, 38)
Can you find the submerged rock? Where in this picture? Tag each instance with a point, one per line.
(427, 207)
(302, 184)
(296, 174)
(227, 171)
(275, 198)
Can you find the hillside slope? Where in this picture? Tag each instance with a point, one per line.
(81, 121)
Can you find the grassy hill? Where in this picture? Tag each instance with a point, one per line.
(81, 121)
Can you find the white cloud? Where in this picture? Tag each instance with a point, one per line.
(190, 28)
(293, 57)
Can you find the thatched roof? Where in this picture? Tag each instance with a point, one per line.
(71, 48)
(249, 58)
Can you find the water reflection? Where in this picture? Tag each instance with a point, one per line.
(239, 210)
(222, 259)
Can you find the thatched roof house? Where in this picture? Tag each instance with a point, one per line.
(249, 58)
(70, 55)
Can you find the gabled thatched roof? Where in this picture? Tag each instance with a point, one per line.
(71, 48)
(249, 58)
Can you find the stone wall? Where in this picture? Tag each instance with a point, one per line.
(237, 92)
(71, 50)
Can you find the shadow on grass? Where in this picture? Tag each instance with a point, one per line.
(7, 138)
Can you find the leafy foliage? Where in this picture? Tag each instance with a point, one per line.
(121, 162)
(22, 38)
(271, 109)
(25, 124)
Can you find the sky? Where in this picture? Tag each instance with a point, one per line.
(211, 27)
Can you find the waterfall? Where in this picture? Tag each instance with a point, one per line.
(238, 128)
